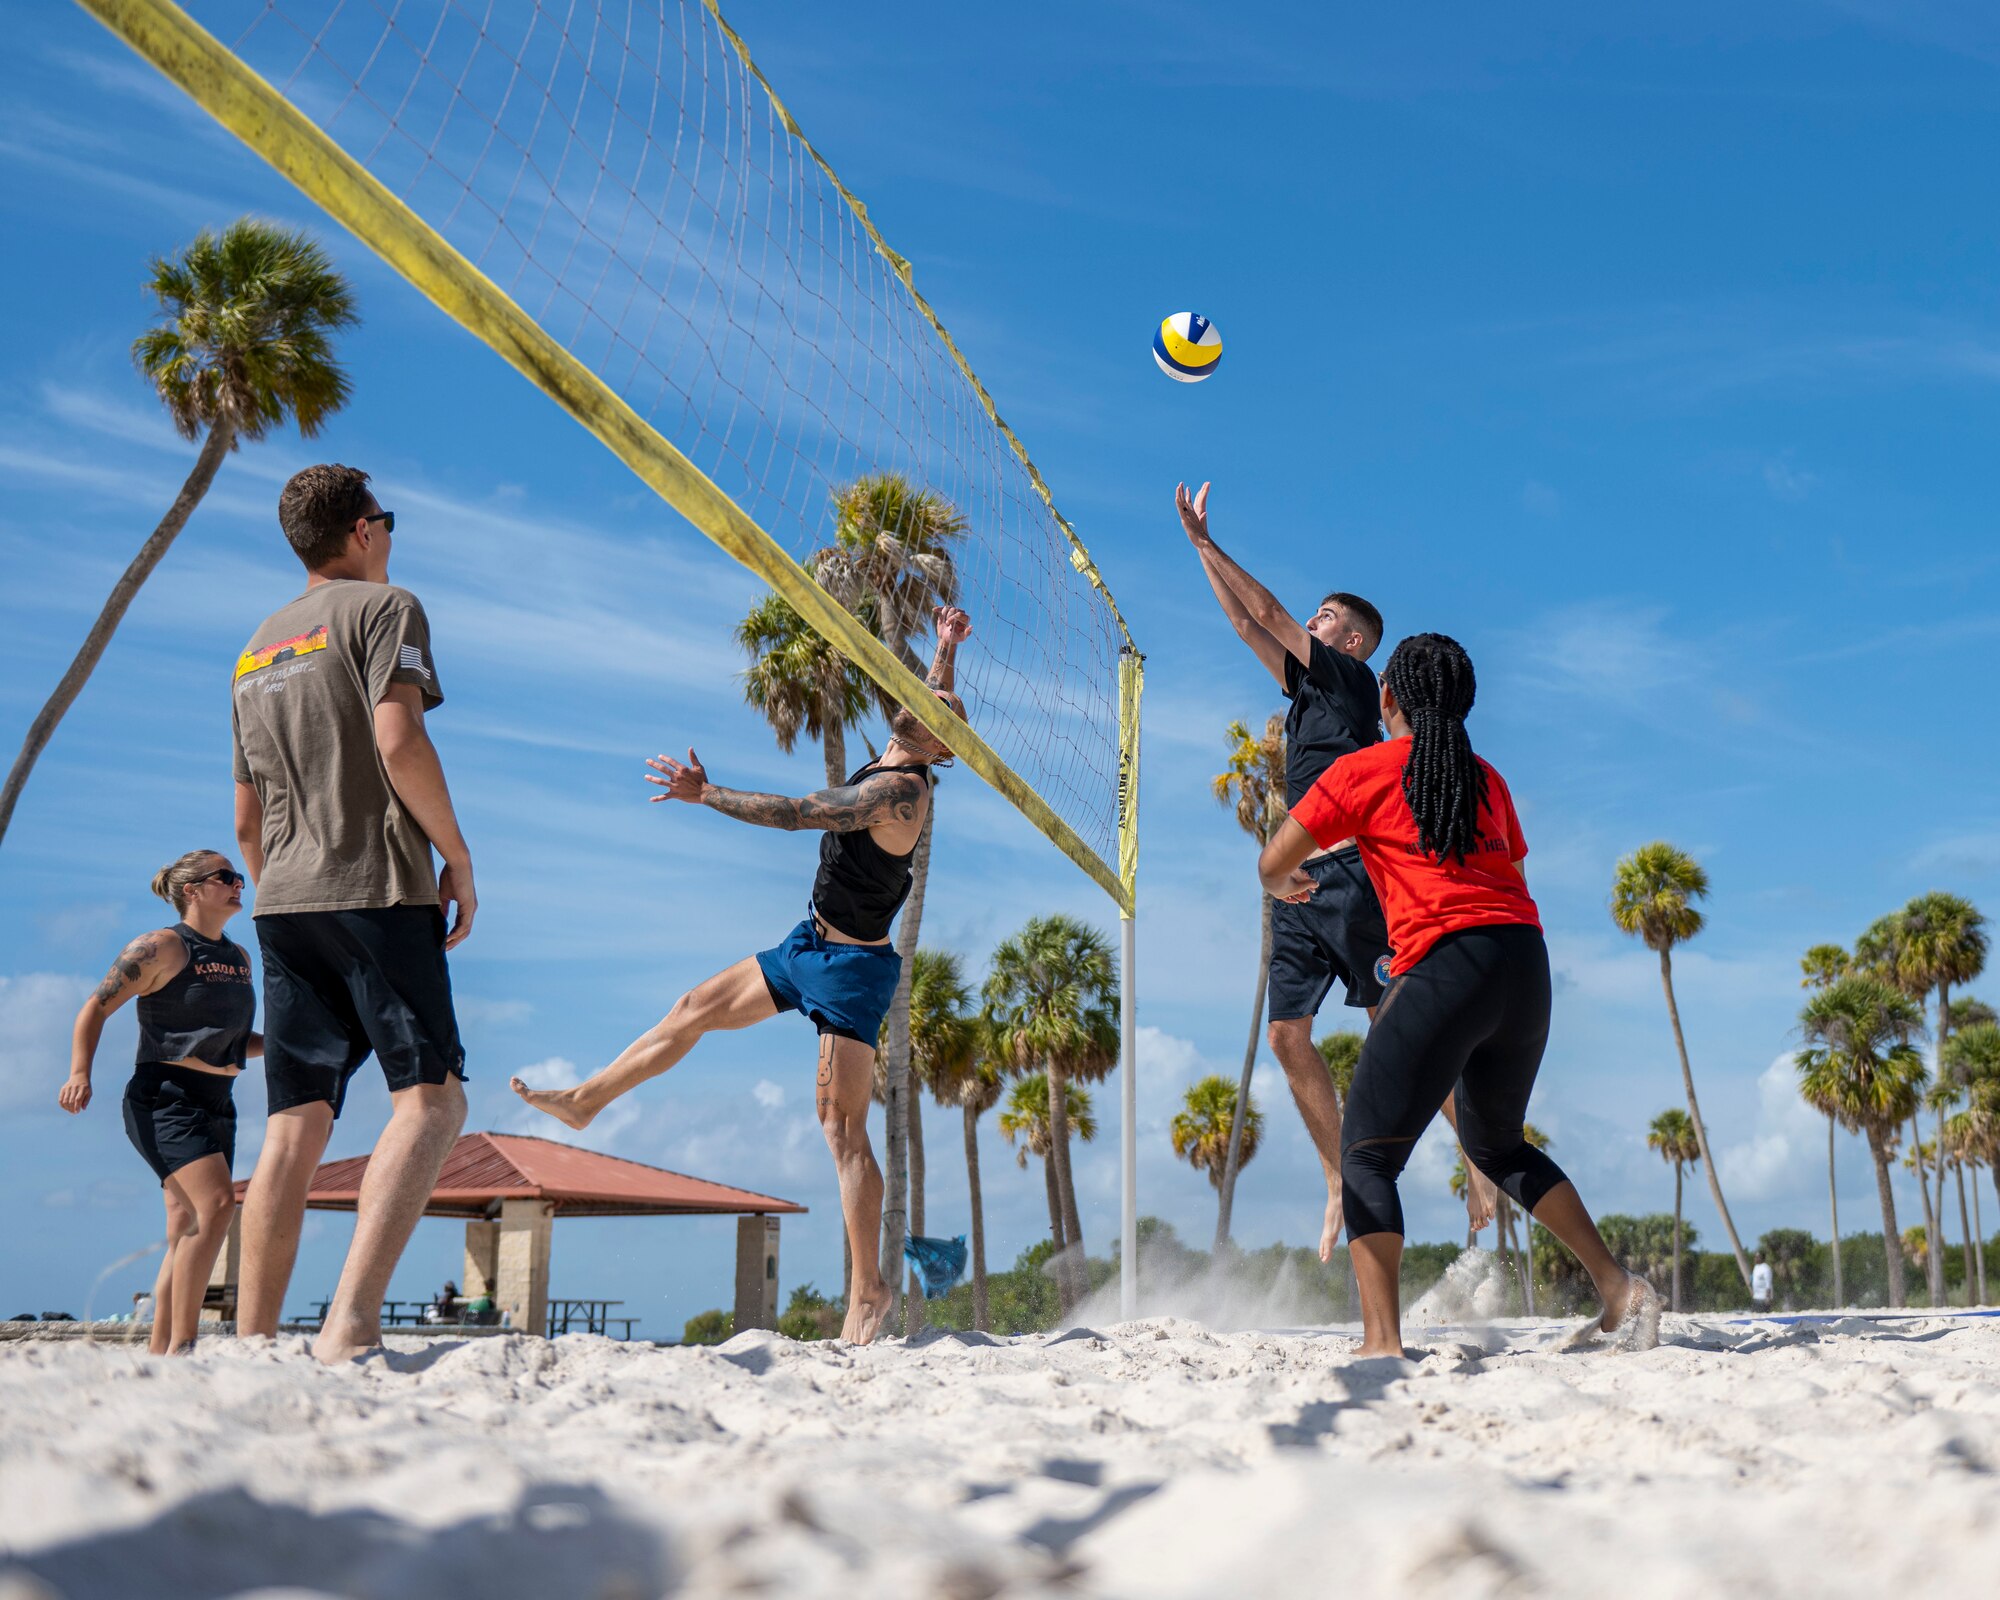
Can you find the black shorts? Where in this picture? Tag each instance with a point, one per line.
(1337, 934)
(338, 984)
(177, 1115)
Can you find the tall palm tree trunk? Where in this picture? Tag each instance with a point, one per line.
(1933, 1244)
(1833, 1206)
(1892, 1241)
(1964, 1229)
(914, 1320)
(1979, 1237)
(1677, 1236)
(1939, 1035)
(896, 1071)
(1694, 1111)
(1055, 1215)
(206, 464)
(979, 1313)
(833, 744)
(1226, 1203)
(1070, 1273)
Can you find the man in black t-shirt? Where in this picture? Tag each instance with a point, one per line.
(1338, 934)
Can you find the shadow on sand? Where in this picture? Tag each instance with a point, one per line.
(560, 1539)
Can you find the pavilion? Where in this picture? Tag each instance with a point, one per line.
(511, 1187)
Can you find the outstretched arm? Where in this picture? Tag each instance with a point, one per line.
(953, 628)
(878, 798)
(142, 966)
(1260, 621)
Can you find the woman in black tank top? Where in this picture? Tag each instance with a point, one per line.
(196, 1007)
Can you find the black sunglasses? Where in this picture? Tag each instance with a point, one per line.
(228, 876)
(386, 518)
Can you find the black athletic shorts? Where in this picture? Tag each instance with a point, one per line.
(1337, 934)
(176, 1115)
(339, 984)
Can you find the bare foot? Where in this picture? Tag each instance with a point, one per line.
(1329, 1233)
(558, 1103)
(866, 1316)
(1372, 1352)
(1479, 1193)
(345, 1339)
(1635, 1313)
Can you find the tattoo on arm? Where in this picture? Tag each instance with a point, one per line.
(880, 797)
(127, 969)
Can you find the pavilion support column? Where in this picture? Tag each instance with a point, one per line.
(526, 1227)
(226, 1272)
(756, 1272)
(482, 1259)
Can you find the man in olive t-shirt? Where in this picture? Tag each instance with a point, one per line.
(340, 799)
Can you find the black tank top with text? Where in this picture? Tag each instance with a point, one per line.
(203, 1012)
(860, 887)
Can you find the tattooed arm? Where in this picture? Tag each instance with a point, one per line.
(142, 966)
(954, 627)
(880, 797)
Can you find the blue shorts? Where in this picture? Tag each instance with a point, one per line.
(844, 988)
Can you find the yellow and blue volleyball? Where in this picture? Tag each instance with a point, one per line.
(1187, 347)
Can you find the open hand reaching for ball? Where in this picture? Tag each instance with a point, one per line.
(1194, 512)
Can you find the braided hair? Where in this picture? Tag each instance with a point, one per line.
(1431, 677)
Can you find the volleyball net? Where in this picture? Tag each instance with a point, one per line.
(611, 195)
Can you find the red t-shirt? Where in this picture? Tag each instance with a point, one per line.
(1360, 797)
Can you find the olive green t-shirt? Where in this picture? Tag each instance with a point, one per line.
(336, 838)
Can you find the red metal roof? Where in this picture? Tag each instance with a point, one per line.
(485, 1168)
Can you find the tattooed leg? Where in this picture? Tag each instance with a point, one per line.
(734, 998)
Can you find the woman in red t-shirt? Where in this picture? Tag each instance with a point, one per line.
(1468, 999)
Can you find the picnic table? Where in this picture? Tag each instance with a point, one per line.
(571, 1314)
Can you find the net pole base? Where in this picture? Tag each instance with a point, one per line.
(1128, 1134)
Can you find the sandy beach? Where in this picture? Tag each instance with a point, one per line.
(1152, 1458)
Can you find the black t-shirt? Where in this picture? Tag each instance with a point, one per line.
(1336, 710)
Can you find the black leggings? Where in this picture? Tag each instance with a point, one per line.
(1475, 1013)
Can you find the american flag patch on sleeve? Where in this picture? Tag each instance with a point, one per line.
(411, 659)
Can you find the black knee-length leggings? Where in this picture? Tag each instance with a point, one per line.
(1473, 1012)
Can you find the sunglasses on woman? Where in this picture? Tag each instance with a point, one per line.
(229, 877)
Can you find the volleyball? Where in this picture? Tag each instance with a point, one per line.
(1187, 347)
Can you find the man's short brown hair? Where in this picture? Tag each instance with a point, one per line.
(1364, 616)
(318, 510)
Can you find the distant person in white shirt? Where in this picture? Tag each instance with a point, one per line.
(1760, 1285)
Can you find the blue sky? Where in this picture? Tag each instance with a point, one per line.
(1655, 360)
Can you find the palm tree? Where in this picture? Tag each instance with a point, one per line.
(891, 564)
(1025, 1119)
(1860, 1067)
(1672, 1139)
(1653, 895)
(1971, 1059)
(246, 344)
(1254, 783)
(1205, 1130)
(1053, 996)
(1342, 1054)
(801, 683)
(1935, 941)
(943, 1035)
(1822, 965)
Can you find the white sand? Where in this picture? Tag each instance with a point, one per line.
(1154, 1459)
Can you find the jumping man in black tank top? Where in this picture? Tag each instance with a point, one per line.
(196, 1007)
(837, 967)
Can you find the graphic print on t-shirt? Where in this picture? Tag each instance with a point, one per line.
(284, 650)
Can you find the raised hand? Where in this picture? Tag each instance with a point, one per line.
(682, 782)
(953, 625)
(1194, 512)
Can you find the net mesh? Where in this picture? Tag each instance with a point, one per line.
(618, 169)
